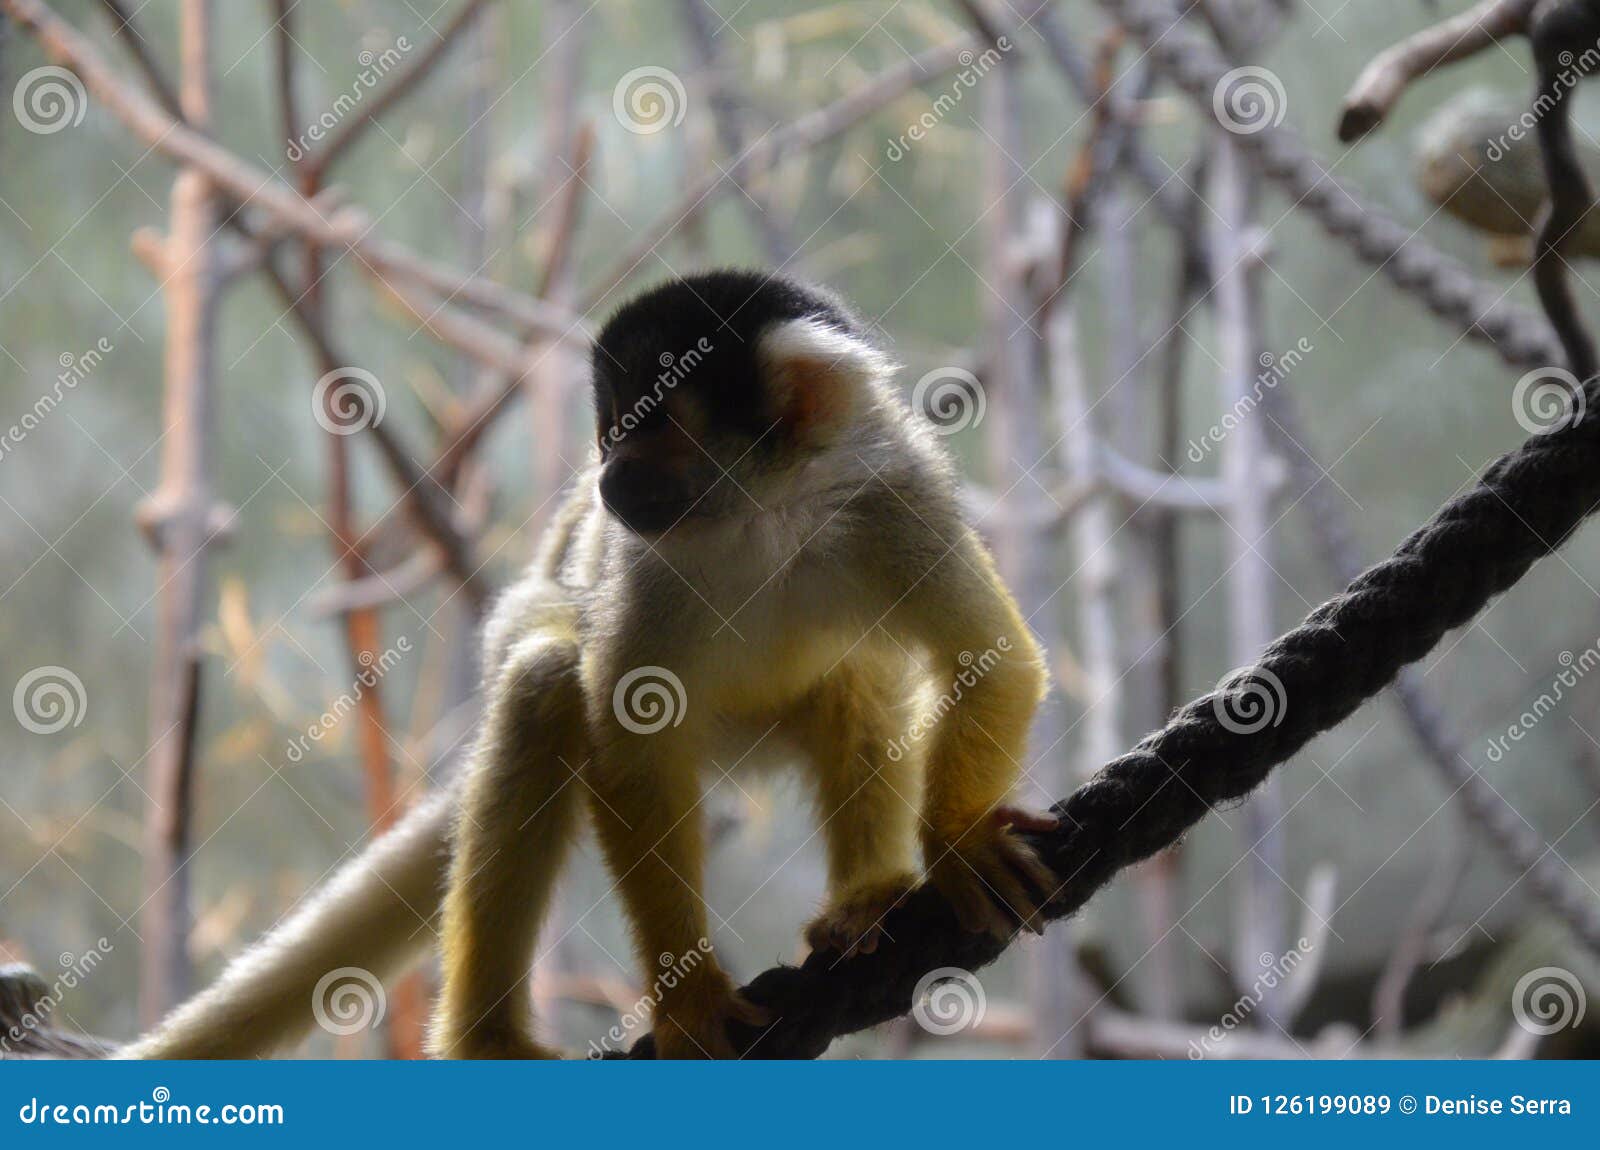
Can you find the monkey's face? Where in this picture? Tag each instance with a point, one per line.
(713, 394)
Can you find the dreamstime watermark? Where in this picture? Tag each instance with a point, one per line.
(649, 699)
(1274, 370)
(373, 668)
(674, 969)
(1249, 699)
(1548, 999)
(974, 67)
(1274, 972)
(1575, 667)
(75, 968)
(48, 99)
(1548, 399)
(74, 370)
(49, 699)
(1573, 69)
(951, 398)
(374, 66)
(347, 400)
(973, 668)
(649, 99)
(348, 1000)
(674, 369)
(1249, 100)
(948, 1000)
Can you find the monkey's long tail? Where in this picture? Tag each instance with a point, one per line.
(374, 918)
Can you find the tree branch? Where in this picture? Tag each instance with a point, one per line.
(1392, 71)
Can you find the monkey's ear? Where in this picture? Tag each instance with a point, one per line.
(817, 376)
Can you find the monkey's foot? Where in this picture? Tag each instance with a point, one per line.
(692, 1020)
(992, 879)
(853, 923)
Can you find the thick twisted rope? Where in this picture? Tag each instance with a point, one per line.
(1517, 334)
(1217, 749)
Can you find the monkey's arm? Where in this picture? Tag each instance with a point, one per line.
(990, 673)
(377, 913)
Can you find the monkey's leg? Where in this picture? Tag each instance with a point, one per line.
(519, 813)
(869, 790)
(645, 799)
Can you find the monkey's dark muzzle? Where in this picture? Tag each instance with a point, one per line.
(645, 498)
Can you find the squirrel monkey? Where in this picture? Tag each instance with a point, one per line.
(768, 559)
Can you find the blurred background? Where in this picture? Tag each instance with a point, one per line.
(263, 469)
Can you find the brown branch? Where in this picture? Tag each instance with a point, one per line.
(810, 130)
(179, 519)
(127, 29)
(345, 230)
(345, 136)
(1392, 71)
(727, 118)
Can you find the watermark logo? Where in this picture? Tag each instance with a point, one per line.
(1249, 100)
(649, 699)
(49, 699)
(348, 400)
(1249, 699)
(1573, 70)
(674, 969)
(348, 1000)
(973, 668)
(373, 669)
(1274, 972)
(951, 398)
(1547, 399)
(1548, 999)
(74, 370)
(374, 66)
(1274, 370)
(648, 99)
(48, 99)
(974, 67)
(75, 969)
(1574, 668)
(674, 369)
(948, 1000)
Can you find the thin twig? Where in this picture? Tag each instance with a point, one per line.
(367, 113)
(1382, 82)
(814, 128)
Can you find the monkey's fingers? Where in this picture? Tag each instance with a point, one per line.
(1043, 885)
(1010, 893)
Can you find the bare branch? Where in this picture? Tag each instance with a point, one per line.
(179, 519)
(810, 130)
(352, 129)
(1392, 71)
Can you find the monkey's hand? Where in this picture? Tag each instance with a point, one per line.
(692, 1018)
(853, 921)
(992, 879)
